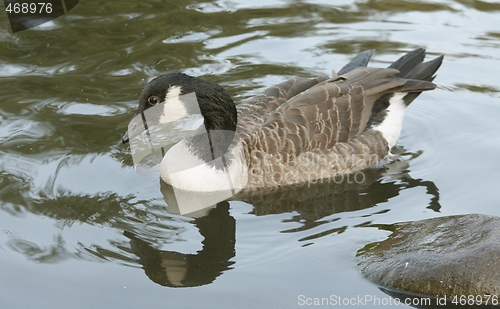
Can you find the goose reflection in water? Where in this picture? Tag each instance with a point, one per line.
(311, 202)
(174, 269)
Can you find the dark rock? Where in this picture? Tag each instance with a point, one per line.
(447, 256)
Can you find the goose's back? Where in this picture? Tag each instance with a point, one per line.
(253, 113)
(303, 130)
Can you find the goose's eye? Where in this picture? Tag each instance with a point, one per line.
(153, 100)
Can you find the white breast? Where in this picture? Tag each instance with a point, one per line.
(183, 170)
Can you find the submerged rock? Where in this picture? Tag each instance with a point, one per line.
(445, 257)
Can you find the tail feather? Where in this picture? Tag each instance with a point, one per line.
(408, 62)
(414, 86)
(425, 70)
(418, 74)
(422, 72)
(388, 110)
(361, 60)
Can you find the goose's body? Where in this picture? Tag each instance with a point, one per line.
(302, 130)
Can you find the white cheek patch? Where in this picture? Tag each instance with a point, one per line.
(156, 129)
(173, 107)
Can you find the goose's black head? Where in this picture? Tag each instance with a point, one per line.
(215, 104)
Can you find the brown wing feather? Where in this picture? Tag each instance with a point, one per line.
(254, 112)
(322, 115)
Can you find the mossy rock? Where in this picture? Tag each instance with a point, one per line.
(446, 256)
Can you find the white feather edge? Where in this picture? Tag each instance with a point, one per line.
(390, 127)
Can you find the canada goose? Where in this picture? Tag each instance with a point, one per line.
(302, 130)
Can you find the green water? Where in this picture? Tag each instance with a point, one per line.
(81, 229)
